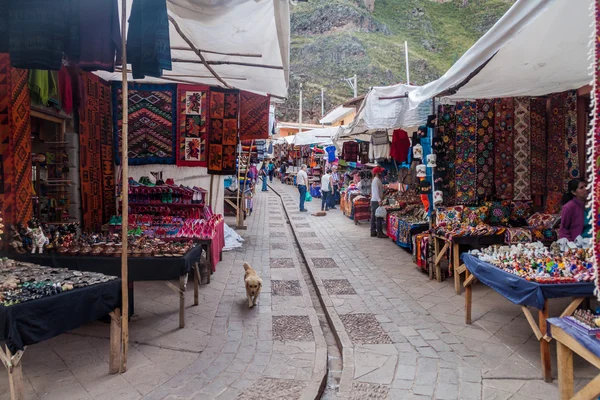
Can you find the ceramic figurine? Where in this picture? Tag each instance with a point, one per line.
(39, 240)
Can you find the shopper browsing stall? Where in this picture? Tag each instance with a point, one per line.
(376, 200)
(572, 221)
(302, 183)
(263, 174)
(271, 171)
(326, 186)
(335, 187)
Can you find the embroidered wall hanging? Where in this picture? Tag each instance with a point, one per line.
(465, 166)
(556, 143)
(192, 131)
(595, 141)
(6, 196)
(538, 145)
(571, 145)
(223, 131)
(503, 148)
(152, 123)
(109, 207)
(522, 150)
(90, 158)
(446, 131)
(254, 116)
(485, 149)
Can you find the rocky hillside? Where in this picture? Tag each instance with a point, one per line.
(335, 39)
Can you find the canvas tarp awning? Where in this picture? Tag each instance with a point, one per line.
(237, 27)
(336, 114)
(316, 136)
(538, 47)
(385, 108)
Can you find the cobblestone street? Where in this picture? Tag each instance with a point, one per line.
(401, 336)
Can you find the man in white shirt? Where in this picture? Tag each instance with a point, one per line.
(325, 190)
(302, 183)
(376, 201)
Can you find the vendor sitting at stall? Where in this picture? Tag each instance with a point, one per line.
(376, 201)
(572, 222)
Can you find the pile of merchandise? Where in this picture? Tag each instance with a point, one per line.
(467, 230)
(174, 227)
(537, 263)
(21, 282)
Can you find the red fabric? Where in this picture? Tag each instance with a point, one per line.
(400, 145)
(65, 89)
(217, 244)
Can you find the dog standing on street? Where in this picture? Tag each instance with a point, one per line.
(253, 285)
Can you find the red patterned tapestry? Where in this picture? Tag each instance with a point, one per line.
(571, 145)
(556, 144)
(504, 148)
(152, 123)
(20, 144)
(109, 207)
(538, 145)
(465, 166)
(445, 170)
(192, 130)
(7, 200)
(90, 159)
(254, 116)
(596, 150)
(223, 132)
(485, 149)
(522, 149)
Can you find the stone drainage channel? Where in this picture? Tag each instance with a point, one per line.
(330, 386)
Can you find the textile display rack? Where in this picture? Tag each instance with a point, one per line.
(526, 294)
(48, 315)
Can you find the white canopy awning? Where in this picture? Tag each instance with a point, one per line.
(538, 47)
(254, 35)
(385, 108)
(316, 136)
(336, 114)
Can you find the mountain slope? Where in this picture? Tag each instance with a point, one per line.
(335, 39)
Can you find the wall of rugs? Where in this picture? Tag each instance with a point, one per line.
(521, 148)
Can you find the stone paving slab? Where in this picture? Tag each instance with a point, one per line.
(427, 346)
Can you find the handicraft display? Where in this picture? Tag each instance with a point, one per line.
(503, 149)
(192, 125)
(538, 145)
(465, 165)
(485, 148)
(152, 123)
(223, 131)
(571, 148)
(254, 116)
(555, 180)
(522, 150)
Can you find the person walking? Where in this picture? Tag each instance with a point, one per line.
(325, 190)
(376, 201)
(263, 174)
(335, 187)
(283, 170)
(302, 183)
(271, 170)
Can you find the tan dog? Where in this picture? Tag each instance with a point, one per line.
(253, 285)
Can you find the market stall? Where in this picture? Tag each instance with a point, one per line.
(38, 303)
(530, 275)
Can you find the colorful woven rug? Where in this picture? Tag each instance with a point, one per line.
(503, 148)
(571, 145)
(465, 166)
(522, 150)
(192, 127)
(20, 144)
(556, 143)
(254, 116)
(538, 145)
(152, 123)
(107, 155)
(7, 200)
(445, 172)
(90, 155)
(223, 132)
(485, 149)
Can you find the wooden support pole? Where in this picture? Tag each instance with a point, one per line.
(255, 55)
(197, 279)
(13, 366)
(565, 371)
(544, 345)
(455, 264)
(114, 351)
(534, 327)
(182, 301)
(589, 391)
(468, 300)
(125, 197)
(572, 306)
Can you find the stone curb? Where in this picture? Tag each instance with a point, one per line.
(339, 332)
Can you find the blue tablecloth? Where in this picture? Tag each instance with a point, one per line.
(589, 342)
(519, 290)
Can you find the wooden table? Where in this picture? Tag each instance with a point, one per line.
(566, 345)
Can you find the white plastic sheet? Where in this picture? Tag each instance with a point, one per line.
(232, 239)
(538, 47)
(315, 136)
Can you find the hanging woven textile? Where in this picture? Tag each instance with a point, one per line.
(556, 144)
(595, 142)
(446, 130)
(522, 150)
(465, 166)
(485, 149)
(223, 131)
(503, 148)
(538, 145)
(571, 147)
